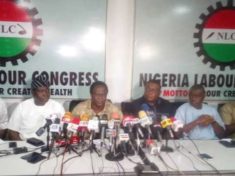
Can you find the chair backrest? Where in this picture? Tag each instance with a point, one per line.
(73, 103)
(219, 106)
(127, 107)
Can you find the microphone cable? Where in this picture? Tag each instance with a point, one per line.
(164, 163)
(92, 166)
(199, 153)
(39, 167)
(177, 167)
(101, 170)
(123, 170)
(178, 150)
(62, 161)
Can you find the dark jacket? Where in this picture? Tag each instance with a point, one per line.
(161, 107)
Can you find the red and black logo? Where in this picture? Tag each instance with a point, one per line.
(216, 36)
(19, 31)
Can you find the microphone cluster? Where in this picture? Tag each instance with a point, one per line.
(74, 130)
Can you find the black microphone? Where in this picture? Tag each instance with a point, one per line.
(103, 126)
(158, 130)
(66, 119)
(41, 130)
(55, 129)
(114, 153)
(130, 122)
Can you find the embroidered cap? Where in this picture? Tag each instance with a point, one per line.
(40, 81)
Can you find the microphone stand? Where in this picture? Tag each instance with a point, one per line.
(147, 167)
(114, 154)
(46, 148)
(166, 148)
(92, 146)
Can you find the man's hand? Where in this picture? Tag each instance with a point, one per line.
(205, 120)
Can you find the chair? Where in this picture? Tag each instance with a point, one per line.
(127, 107)
(219, 106)
(73, 103)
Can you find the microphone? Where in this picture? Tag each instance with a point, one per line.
(49, 121)
(152, 146)
(111, 132)
(72, 129)
(66, 119)
(82, 129)
(158, 130)
(129, 121)
(123, 139)
(167, 123)
(93, 127)
(55, 132)
(114, 125)
(103, 126)
(55, 129)
(177, 124)
(149, 110)
(146, 121)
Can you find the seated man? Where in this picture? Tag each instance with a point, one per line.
(98, 104)
(3, 118)
(30, 114)
(200, 120)
(153, 104)
(227, 112)
(152, 99)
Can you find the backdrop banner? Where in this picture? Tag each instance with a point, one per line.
(63, 40)
(183, 43)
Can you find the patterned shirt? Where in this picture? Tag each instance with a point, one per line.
(228, 114)
(85, 108)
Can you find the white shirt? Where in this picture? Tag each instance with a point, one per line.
(27, 118)
(187, 113)
(3, 115)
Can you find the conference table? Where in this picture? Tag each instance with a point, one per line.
(215, 159)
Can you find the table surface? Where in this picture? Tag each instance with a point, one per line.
(184, 160)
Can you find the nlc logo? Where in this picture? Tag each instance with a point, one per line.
(19, 31)
(216, 36)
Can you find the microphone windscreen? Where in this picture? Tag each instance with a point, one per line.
(75, 120)
(142, 114)
(84, 117)
(115, 116)
(67, 117)
(127, 119)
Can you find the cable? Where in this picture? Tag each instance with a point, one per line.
(166, 165)
(177, 168)
(55, 165)
(119, 172)
(102, 168)
(199, 153)
(92, 164)
(177, 149)
(39, 168)
(121, 168)
(62, 162)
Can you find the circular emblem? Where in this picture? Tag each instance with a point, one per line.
(19, 30)
(216, 36)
